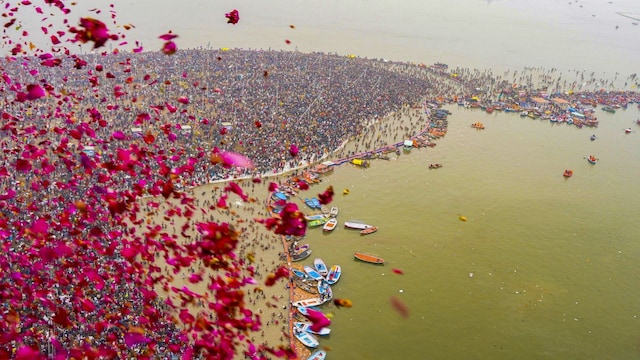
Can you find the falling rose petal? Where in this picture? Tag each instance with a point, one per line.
(132, 339)
(92, 31)
(293, 150)
(400, 307)
(183, 100)
(169, 48)
(287, 41)
(232, 16)
(326, 197)
(397, 271)
(168, 36)
(318, 319)
(118, 135)
(273, 187)
(35, 91)
(232, 159)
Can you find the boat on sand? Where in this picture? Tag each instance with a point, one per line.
(372, 259)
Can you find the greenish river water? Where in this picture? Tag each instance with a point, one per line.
(544, 267)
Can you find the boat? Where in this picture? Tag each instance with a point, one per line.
(301, 256)
(300, 274)
(334, 211)
(369, 258)
(279, 196)
(356, 224)
(313, 273)
(321, 267)
(309, 203)
(299, 249)
(627, 130)
(305, 338)
(314, 301)
(304, 309)
(593, 137)
(306, 326)
(317, 222)
(524, 113)
(478, 125)
(318, 355)
(334, 274)
(592, 159)
(567, 173)
(315, 217)
(324, 291)
(330, 225)
(407, 145)
(435, 166)
(369, 230)
(360, 162)
(608, 109)
(345, 192)
(316, 203)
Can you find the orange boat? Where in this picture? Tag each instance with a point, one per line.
(567, 173)
(369, 230)
(369, 258)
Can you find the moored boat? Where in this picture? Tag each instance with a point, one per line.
(299, 273)
(567, 173)
(330, 225)
(592, 159)
(318, 355)
(314, 301)
(306, 326)
(304, 309)
(334, 274)
(320, 266)
(356, 224)
(301, 256)
(373, 259)
(315, 217)
(369, 230)
(305, 338)
(317, 222)
(608, 109)
(313, 273)
(333, 212)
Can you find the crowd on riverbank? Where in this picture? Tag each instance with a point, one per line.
(75, 162)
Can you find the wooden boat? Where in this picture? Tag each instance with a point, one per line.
(305, 338)
(608, 109)
(435, 166)
(593, 137)
(321, 267)
(369, 258)
(334, 274)
(316, 203)
(317, 222)
(309, 203)
(318, 355)
(301, 256)
(315, 301)
(313, 273)
(567, 173)
(627, 130)
(306, 326)
(478, 125)
(330, 225)
(592, 159)
(334, 211)
(369, 230)
(299, 249)
(356, 224)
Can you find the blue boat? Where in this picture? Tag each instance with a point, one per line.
(320, 266)
(305, 338)
(301, 274)
(318, 355)
(279, 195)
(316, 203)
(303, 309)
(313, 273)
(309, 203)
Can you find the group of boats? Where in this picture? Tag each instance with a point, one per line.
(326, 219)
(365, 229)
(325, 277)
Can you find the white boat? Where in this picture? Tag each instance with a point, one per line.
(308, 302)
(300, 274)
(321, 267)
(330, 225)
(334, 274)
(305, 338)
(306, 326)
(356, 224)
(325, 291)
(318, 355)
(313, 273)
(334, 211)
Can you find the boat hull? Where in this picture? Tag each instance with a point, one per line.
(372, 259)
